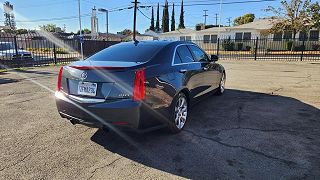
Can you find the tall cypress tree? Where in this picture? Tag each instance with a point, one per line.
(181, 23)
(173, 22)
(152, 21)
(165, 18)
(157, 22)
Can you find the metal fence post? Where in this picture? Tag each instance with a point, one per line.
(218, 46)
(15, 45)
(54, 54)
(302, 48)
(256, 49)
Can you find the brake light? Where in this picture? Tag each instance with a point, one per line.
(139, 87)
(59, 79)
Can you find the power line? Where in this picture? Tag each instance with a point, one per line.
(143, 14)
(45, 5)
(217, 3)
(67, 17)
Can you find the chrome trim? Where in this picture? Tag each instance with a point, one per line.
(86, 100)
(174, 54)
(62, 95)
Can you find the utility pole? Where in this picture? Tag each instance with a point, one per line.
(229, 21)
(216, 16)
(107, 21)
(205, 17)
(220, 11)
(134, 19)
(81, 37)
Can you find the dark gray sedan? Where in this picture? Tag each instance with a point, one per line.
(138, 85)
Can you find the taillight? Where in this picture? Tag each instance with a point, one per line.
(139, 88)
(59, 79)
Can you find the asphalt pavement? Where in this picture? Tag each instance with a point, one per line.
(265, 126)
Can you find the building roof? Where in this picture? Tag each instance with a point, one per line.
(259, 24)
(180, 31)
(213, 29)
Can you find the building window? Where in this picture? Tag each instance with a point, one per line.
(214, 38)
(206, 38)
(182, 38)
(277, 36)
(302, 36)
(188, 38)
(247, 36)
(238, 36)
(314, 35)
(287, 35)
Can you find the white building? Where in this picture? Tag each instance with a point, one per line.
(258, 28)
(179, 34)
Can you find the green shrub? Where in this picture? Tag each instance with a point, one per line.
(299, 48)
(239, 46)
(248, 48)
(316, 47)
(289, 45)
(227, 45)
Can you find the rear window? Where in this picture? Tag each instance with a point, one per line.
(128, 52)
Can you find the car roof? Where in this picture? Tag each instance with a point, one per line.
(160, 43)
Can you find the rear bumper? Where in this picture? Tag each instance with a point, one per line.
(124, 113)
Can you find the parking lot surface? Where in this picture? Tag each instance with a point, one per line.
(265, 126)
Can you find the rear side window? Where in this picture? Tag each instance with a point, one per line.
(127, 52)
(199, 54)
(185, 54)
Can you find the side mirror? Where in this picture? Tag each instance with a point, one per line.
(214, 58)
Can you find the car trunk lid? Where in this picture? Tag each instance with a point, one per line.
(104, 80)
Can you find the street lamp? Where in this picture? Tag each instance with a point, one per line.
(106, 11)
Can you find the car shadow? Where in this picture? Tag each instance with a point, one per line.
(7, 80)
(30, 71)
(241, 134)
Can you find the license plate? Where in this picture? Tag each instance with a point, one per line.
(87, 89)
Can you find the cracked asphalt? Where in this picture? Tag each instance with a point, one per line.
(265, 126)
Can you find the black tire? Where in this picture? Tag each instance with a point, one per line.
(221, 87)
(179, 113)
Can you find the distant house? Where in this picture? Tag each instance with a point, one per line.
(179, 34)
(140, 37)
(258, 28)
(110, 37)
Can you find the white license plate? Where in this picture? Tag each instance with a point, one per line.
(87, 89)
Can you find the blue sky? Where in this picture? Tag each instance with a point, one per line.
(31, 10)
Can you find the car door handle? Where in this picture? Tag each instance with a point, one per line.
(183, 70)
(205, 68)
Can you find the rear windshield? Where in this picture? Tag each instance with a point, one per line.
(127, 52)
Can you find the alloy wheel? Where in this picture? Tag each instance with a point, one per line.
(222, 83)
(181, 112)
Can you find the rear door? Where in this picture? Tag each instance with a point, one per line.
(191, 70)
(210, 74)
